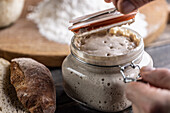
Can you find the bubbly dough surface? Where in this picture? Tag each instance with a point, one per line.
(106, 45)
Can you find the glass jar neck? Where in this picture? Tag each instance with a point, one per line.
(133, 55)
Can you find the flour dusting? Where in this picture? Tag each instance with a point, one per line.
(140, 25)
(52, 17)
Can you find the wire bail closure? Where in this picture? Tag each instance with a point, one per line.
(129, 79)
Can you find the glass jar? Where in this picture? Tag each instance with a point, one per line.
(98, 82)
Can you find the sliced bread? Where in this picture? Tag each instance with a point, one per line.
(9, 102)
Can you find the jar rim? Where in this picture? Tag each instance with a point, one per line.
(116, 60)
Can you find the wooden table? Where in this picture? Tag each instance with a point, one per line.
(160, 52)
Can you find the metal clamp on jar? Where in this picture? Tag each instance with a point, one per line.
(98, 80)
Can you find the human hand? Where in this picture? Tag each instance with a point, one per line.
(127, 6)
(153, 98)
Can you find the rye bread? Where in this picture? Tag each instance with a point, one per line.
(9, 102)
(34, 85)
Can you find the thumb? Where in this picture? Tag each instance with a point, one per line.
(147, 98)
(127, 6)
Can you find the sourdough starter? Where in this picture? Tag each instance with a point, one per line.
(99, 87)
(108, 45)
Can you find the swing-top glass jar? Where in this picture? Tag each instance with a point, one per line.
(95, 72)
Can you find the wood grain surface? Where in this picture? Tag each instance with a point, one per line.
(156, 14)
(163, 39)
(15, 42)
(22, 39)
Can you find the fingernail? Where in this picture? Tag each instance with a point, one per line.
(127, 7)
(147, 69)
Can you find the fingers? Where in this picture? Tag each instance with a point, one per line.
(137, 109)
(148, 99)
(108, 1)
(127, 6)
(115, 3)
(156, 77)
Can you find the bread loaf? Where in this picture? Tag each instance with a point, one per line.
(34, 85)
(10, 11)
(9, 102)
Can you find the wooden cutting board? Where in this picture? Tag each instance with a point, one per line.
(22, 39)
(156, 15)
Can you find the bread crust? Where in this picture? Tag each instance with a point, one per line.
(34, 85)
(9, 102)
